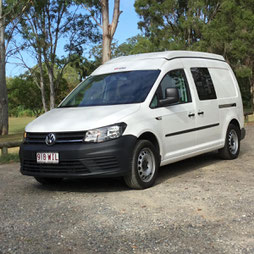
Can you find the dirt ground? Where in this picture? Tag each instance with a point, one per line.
(200, 205)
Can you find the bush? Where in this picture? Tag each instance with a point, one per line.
(24, 97)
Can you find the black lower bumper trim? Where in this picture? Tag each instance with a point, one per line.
(111, 158)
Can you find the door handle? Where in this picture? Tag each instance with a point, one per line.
(201, 113)
(191, 115)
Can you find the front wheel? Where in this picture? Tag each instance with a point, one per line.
(47, 180)
(232, 143)
(144, 166)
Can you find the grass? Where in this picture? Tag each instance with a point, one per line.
(16, 130)
(9, 158)
(18, 124)
(251, 118)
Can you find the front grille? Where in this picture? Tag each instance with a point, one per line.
(87, 165)
(63, 167)
(61, 137)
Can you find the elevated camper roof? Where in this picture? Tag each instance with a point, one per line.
(153, 60)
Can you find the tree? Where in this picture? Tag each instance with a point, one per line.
(83, 67)
(108, 29)
(3, 90)
(101, 7)
(22, 92)
(176, 24)
(42, 28)
(134, 45)
(10, 12)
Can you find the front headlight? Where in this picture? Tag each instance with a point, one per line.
(105, 133)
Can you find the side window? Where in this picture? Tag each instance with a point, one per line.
(204, 83)
(173, 79)
(177, 79)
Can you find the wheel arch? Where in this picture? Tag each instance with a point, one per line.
(152, 138)
(236, 123)
(233, 121)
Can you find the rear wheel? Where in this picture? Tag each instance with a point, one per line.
(144, 166)
(47, 180)
(232, 143)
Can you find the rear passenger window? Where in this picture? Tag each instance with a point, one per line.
(204, 83)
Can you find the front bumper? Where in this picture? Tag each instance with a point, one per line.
(111, 158)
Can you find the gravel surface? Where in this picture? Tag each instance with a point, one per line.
(200, 205)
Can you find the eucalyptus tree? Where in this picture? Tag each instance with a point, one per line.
(175, 23)
(99, 10)
(48, 25)
(3, 90)
(10, 13)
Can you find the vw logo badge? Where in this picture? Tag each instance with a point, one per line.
(50, 139)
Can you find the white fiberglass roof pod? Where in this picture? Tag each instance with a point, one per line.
(149, 61)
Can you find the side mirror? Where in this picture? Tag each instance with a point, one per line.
(172, 96)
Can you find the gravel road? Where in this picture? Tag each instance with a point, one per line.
(200, 205)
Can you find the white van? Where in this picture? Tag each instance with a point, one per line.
(135, 114)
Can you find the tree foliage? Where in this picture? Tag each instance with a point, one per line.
(134, 45)
(48, 22)
(10, 12)
(23, 95)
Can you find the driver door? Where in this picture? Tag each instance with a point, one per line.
(177, 120)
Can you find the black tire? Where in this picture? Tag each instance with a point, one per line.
(47, 180)
(144, 166)
(232, 143)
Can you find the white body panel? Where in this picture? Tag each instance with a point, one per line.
(80, 119)
(162, 121)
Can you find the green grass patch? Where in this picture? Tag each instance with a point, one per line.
(9, 158)
(18, 124)
(251, 118)
(16, 128)
(11, 137)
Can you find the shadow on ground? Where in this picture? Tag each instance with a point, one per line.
(117, 184)
(188, 165)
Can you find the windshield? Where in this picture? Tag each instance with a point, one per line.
(113, 88)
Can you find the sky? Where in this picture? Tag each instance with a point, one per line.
(127, 27)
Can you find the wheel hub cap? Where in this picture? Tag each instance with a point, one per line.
(146, 165)
(233, 142)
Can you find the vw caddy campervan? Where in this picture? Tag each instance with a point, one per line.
(135, 114)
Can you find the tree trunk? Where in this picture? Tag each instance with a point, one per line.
(252, 91)
(108, 29)
(42, 87)
(106, 48)
(51, 86)
(3, 89)
(106, 45)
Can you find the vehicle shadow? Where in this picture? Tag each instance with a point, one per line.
(89, 185)
(96, 185)
(182, 167)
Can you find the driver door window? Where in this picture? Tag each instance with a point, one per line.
(173, 79)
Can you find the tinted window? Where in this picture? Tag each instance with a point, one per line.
(111, 89)
(204, 83)
(174, 79)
